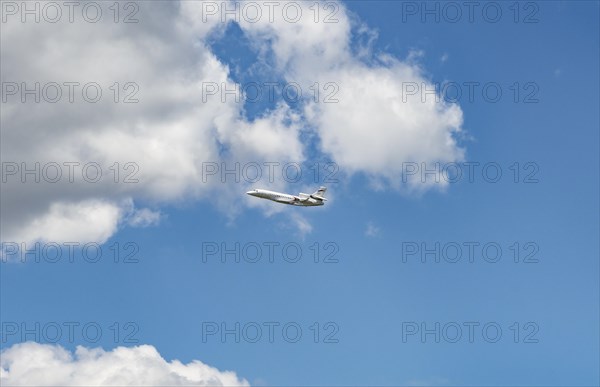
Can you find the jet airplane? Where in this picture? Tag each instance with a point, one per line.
(304, 200)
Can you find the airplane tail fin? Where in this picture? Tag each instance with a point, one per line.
(321, 192)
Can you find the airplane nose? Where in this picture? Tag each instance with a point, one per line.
(250, 193)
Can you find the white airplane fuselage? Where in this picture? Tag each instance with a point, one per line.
(304, 200)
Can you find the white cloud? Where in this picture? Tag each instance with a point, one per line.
(374, 125)
(300, 225)
(85, 221)
(272, 137)
(389, 129)
(143, 218)
(51, 365)
(372, 230)
(173, 130)
(169, 134)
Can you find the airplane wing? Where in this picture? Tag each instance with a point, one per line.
(285, 200)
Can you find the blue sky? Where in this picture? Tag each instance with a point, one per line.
(370, 295)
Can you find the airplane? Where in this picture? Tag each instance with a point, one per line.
(304, 200)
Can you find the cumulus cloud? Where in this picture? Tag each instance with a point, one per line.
(375, 122)
(150, 151)
(84, 221)
(162, 143)
(30, 363)
(390, 129)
